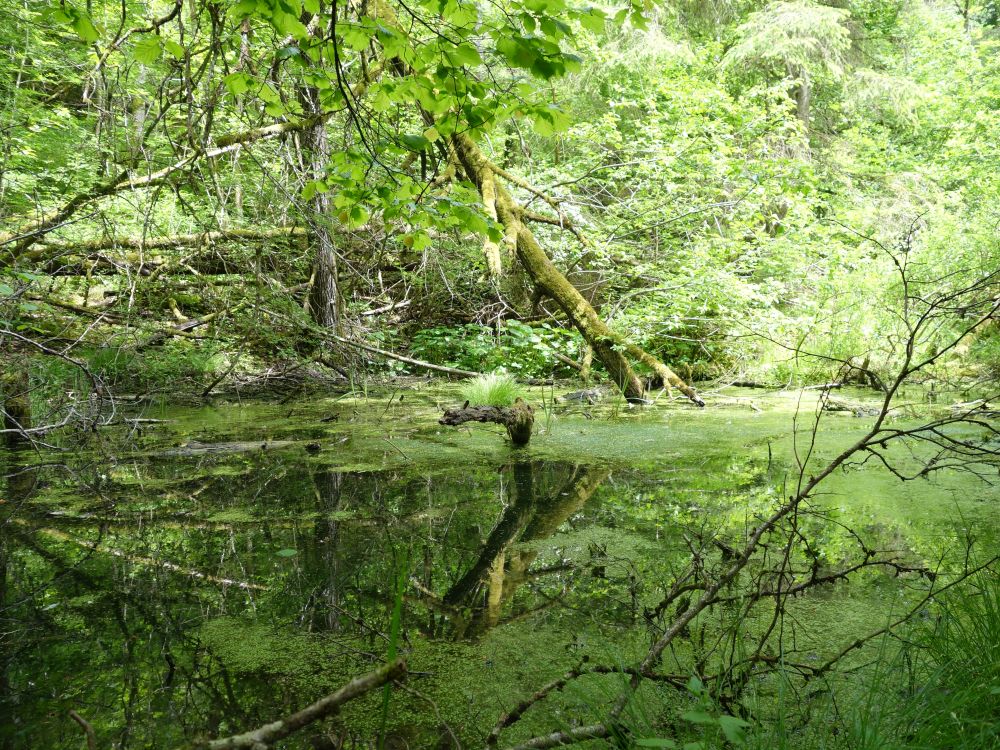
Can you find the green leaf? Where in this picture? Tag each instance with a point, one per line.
(465, 54)
(311, 6)
(734, 728)
(147, 50)
(267, 93)
(236, 83)
(421, 241)
(593, 19)
(313, 187)
(356, 37)
(244, 8)
(698, 717)
(359, 216)
(655, 742)
(287, 552)
(173, 48)
(85, 28)
(542, 124)
(286, 23)
(415, 142)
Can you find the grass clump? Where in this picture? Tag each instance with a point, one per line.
(957, 705)
(495, 389)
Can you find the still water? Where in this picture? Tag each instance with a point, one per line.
(201, 575)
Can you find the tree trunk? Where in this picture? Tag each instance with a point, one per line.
(324, 297)
(607, 347)
(802, 94)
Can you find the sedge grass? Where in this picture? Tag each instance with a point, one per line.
(494, 389)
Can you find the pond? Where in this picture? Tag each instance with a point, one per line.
(203, 574)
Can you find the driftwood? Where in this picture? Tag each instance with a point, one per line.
(850, 407)
(518, 419)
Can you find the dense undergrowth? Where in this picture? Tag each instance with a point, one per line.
(263, 197)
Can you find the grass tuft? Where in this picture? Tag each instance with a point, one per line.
(495, 389)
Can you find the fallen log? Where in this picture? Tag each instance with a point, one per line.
(519, 419)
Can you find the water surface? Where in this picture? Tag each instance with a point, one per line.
(203, 575)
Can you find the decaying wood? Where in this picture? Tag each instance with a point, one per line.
(518, 419)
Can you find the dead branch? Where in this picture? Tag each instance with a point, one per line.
(87, 727)
(452, 371)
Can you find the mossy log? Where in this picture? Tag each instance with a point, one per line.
(607, 347)
(519, 419)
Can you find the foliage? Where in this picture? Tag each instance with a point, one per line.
(956, 698)
(523, 350)
(495, 389)
(787, 37)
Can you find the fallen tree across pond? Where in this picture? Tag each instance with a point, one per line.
(607, 346)
(451, 371)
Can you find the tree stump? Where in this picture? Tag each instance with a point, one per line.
(519, 419)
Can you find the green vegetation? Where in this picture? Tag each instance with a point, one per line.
(953, 670)
(495, 389)
(233, 233)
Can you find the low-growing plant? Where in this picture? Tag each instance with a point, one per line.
(495, 389)
(528, 350)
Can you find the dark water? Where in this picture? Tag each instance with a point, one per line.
(219, 570)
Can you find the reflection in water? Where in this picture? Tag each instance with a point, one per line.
(166, 597)
(527, 518)
(20, 483)
(163, 600)
(324, 601)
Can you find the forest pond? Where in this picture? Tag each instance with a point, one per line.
(203, 574)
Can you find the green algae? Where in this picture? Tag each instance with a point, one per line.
(263, 574)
